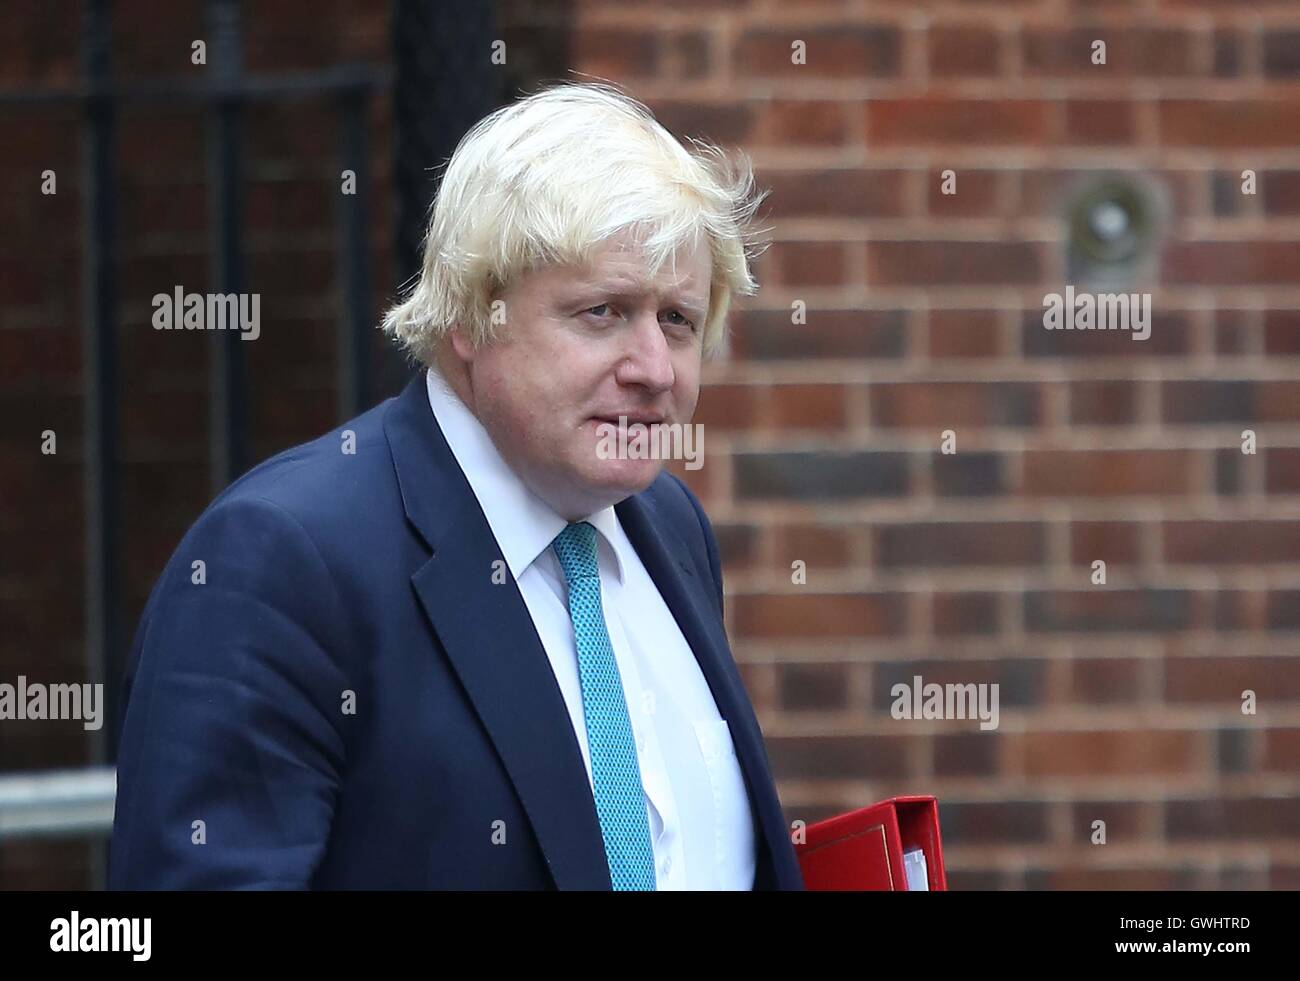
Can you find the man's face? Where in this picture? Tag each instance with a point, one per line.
(580, 348)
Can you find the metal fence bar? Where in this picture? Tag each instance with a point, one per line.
(57, 802)
(99, 376)
(228, 390)
(354, 324)
(444, 84)
(255, 88)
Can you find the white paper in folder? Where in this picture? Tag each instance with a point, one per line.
(915, 871)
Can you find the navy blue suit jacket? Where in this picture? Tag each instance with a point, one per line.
(331, 577)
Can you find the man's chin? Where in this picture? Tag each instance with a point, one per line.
(623, 477)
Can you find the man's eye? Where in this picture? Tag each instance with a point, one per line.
(684, 322)
(598, 306)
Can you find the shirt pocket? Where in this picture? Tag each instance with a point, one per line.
(733, 830)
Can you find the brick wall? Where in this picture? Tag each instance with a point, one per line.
(1121, 702)
(1118, 703)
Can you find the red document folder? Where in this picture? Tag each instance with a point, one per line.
(863, 849)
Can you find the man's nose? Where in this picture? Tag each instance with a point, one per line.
(647, 362)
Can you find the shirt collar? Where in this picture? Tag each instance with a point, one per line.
(523, 524)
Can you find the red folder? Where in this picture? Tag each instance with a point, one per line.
(863, 849)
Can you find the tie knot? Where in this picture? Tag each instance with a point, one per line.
(575, 547)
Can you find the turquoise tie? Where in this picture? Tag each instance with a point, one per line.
(615, 772)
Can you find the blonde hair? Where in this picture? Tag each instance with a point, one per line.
(549, 179)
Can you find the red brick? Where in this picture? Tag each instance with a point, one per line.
(615, 52)
(1279, 191)
(964, 334)
(1101, 122)
(1282, 470)
(1171, 333)
(955, 405)
(808, 614)
(1232, 331)
(813, 687)
(1230, 263)
(726, 122)
(838, 193)
(1124, 820)
(1130, 50)
(727, 407)
(819, 546)
(299, 204)
(1281, 53)
(1229, 543)
(799, 264)
(1114, 542)
(1105, 681)
(686, 54)
(1107, 610)
(1227, 52)
(963, 51)
(1229, 122)
(1282, 750)
(992, 822)
(932, 121)
(1109, 753)
(809, 406)
(1282, 332)
(36, 140)
(301, 132)
(1277, 401)
(764, 335)
(44, 354)
(737, 544)
(310, 272)
(814, 123)
(1104, 403)
(940, 544)
(1106, 473)
(953, 263)
(962, 614)
(841, 51)
(1242, 820)
(1207, 401)
(160, 143)
(1221, 680)
(837, 757)
(975, 193)
(966, 754)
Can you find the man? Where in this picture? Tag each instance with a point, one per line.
(455, 643)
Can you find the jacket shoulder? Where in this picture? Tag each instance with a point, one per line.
(681, 509)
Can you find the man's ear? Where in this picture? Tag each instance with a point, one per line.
(461, 344)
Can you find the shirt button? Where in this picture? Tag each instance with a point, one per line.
(667, 865)
(640, 744)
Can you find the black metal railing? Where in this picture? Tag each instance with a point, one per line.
(441, 82)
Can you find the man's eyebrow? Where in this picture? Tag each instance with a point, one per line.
(623, 288)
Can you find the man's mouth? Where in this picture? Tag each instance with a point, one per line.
(628, 418)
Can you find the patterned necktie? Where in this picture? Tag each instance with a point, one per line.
(615, 772)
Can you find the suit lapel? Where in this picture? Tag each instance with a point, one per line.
(490, 639)
(667, 559)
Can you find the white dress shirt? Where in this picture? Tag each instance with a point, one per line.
(696, 802)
